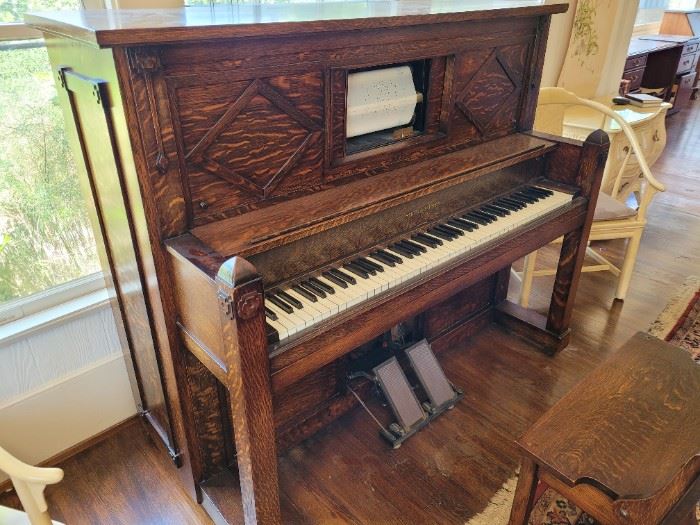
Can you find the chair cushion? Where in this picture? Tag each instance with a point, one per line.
(609, 209)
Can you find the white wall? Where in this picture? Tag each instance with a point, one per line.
(557, 44)
(63, 378)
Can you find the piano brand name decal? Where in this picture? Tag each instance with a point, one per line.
(421, 211)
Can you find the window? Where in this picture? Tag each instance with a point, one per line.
(651, 11)
(45, 235)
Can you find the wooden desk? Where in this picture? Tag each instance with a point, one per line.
(624, 444)
(649, 124)
(666, 63)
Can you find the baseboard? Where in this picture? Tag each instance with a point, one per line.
(55, 421)
(58, 459)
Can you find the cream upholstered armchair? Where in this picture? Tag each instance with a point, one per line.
(29, 482)
(614, 218)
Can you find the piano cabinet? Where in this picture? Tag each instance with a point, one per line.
(213, 145)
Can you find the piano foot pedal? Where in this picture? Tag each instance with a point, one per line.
(442, 394)
(410, 414)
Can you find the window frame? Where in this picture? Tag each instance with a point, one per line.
(67, 292)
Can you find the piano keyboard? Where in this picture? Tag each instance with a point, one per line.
(292, 308)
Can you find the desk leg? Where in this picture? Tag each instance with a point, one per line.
(524, 493)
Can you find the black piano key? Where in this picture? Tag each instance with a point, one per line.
(522, 200)
(335, 280)
(415, 245)
(517, 204)
(543, 191)
(461, 224)
(270, 314)
(412, 249)
(317, 290)
(427, 240)
(356, 270)
(310, 290)
(279, 303)
(486, 216)
(476, 218)
(391, 256)
(372, 264)
(533, 194)
(384, 260)
(304, 293)
(296, 303)
(272, 335)
(528, 198)
(501, 203)
(344, 276)
(403, 251)
(326, 288)
(451, 229)
(447, 231)
(366, 267)
(495, 210)
(440, 234)
(533, 197)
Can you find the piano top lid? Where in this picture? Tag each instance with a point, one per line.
(124, 27)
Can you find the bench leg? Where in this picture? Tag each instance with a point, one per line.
(524, 493)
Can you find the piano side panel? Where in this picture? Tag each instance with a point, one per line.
(111, 172)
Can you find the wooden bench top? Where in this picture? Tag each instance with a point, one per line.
(629, 427)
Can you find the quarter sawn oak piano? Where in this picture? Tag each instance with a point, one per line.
(256, 250)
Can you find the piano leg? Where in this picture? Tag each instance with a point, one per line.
(552, 333)
(573, 250)
(248, 384)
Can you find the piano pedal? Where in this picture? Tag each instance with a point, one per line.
(410, 414)
(442, 394)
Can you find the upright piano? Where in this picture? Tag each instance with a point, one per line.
(270, 210)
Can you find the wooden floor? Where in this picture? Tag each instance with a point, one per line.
(448, 472)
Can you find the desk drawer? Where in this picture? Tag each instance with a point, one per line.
(635, 77)
(690, 47)
(686, 63)
(635, 62)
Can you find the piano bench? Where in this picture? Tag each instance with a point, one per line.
(624, 444)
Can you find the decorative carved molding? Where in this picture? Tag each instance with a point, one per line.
(148, 63)
(248, 305)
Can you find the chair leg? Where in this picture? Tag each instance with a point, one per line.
(524, 493)
(528, 276)
(623, 282)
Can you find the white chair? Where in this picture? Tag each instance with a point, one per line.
(29, 482)
(613, 218)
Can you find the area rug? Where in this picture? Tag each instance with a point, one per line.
(679, 324)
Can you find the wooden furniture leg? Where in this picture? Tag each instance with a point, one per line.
(248, 384)
(524, 493)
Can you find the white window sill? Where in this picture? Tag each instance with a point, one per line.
(20, 317)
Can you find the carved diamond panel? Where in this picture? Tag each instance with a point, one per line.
(489, 89)
(256, 142)
(268, 134)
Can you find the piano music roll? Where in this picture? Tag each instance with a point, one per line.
(380, 99)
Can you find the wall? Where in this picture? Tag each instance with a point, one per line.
(63, 378)
(557, 44)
